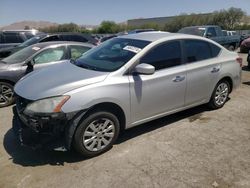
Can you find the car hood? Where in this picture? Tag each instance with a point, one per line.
(56, 80)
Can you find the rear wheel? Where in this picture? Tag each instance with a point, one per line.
(96, 134)
(220, 95)
(6, 94)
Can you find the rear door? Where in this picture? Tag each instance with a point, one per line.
(163, 91)
(202, 69)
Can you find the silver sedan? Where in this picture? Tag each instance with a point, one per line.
(124, 82)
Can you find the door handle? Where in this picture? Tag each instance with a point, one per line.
(179, 78)
(215, 69)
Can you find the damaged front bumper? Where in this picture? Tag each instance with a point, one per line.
(44, 131)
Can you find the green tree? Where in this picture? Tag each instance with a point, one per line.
(108, 27)
(228, 19)
(234, 17)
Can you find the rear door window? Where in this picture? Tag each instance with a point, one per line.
(50, 55)
(197, 50)
(164, 55)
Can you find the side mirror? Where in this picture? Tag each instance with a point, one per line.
(208, 35)
(30, 63)
(144, 69)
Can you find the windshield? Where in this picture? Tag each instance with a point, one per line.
(111, 55)
(21, 55)
(32, 40)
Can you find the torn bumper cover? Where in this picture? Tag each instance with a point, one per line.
(43, 131)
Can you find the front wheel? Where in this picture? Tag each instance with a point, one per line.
(6, 94)
(220, 95)
(96, 134)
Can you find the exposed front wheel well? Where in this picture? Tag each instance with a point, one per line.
(7, 81)
(110, 107)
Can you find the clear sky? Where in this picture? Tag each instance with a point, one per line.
(94, 11)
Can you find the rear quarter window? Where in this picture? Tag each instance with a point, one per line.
(215, 50)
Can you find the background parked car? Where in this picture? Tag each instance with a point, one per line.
(245, 46)
(77, 37)
(15, 37)
(32, 58)
(214, 33)
(103, 39)
(140, 31)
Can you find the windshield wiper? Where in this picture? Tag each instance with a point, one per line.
(74, 62)
(87, 67)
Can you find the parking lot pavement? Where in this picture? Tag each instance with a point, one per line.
(194, 148)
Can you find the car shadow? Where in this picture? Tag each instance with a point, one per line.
(245, 68)
(25, 156)
(246, 83)
(192, 114)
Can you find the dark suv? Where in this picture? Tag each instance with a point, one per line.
(15, 37)
(76, 37)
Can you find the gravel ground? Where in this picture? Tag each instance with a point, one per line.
(194, 148)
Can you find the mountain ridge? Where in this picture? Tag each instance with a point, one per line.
(28, 24)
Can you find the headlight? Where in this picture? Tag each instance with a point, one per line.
(48, 105)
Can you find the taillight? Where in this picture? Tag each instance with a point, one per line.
(239, 60)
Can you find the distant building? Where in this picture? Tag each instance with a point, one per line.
(160, 21)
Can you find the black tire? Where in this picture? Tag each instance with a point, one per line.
(6, 98)
(84, 125)
(212, 103)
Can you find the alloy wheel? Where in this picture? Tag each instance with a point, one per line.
(98, 134)
(221, 94)
(6, 94)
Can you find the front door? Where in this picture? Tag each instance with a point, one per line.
(164, 91)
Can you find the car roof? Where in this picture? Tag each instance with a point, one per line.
(158, 35)
(45, 44)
